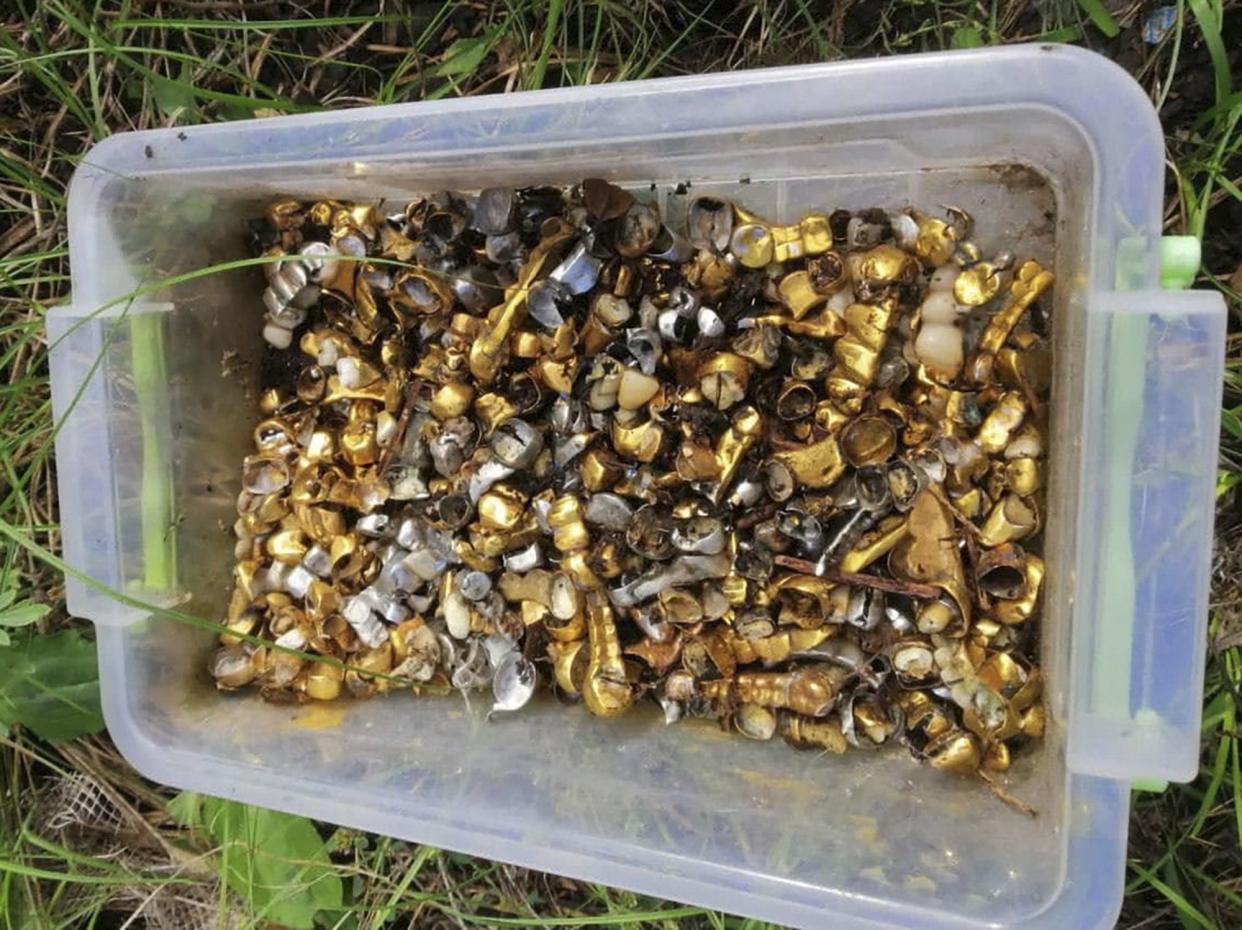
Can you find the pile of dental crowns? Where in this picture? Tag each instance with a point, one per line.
(788, 477)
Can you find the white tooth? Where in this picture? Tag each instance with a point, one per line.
(277, 336)
(939, 307)
(350, 372)
(457, 615)
(385, 428)
(841, 300)
(723, 388)
(905, 229)
(942, 278)
(636, 389)
(612, 311)
(292, 639)
(422, 562)
(940, 347)
(604, 392)
(715, 604)
(329, 353)
(1025, 445)
(566, 600)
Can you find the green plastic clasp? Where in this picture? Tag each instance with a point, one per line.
(1179, 261)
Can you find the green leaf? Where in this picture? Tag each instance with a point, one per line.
(23, 614)
(51, 685)
(276, 862)
(966, 37)
(1210, 25)
(1100, 16)
(549, 36)
(1231, 421)
(187, 809)
(1225, 482)
(175, 97)
(465, 55)
(1064, 34)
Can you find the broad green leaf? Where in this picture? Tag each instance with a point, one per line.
(465, 55)
(1231, 421)
(50, 684)
(23, 614)
(1064, 34)
(1226, 481)
(276, 862)
(176, 97)
(967, 37)
(1100, 16)
(187, 809)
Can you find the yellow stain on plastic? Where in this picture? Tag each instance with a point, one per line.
(919, 884)
(875, 874)
(867, 829)
(320, 717)
(768, 782)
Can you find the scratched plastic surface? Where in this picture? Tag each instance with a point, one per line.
(1052, 148)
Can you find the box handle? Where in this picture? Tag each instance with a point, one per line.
(1151, 425)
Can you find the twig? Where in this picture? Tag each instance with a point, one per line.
(403, 424)
(805, 566)
(891, 585)
(260, 55)
(1018, 805)
(757, 516)
(972, 577)
(343, 46)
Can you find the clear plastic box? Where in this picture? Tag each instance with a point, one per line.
(1049, 145)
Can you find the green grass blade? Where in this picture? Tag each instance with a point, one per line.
(1098, 14)
(549, 34)
(256, 25)
(1209, 22)
(1185, 910)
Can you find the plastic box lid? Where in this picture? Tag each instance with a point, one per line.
(155, 362)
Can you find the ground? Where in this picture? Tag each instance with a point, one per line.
(84, 841)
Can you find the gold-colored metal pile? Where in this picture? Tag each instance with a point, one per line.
(788, 477)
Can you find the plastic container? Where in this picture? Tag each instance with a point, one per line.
(1047, 145)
